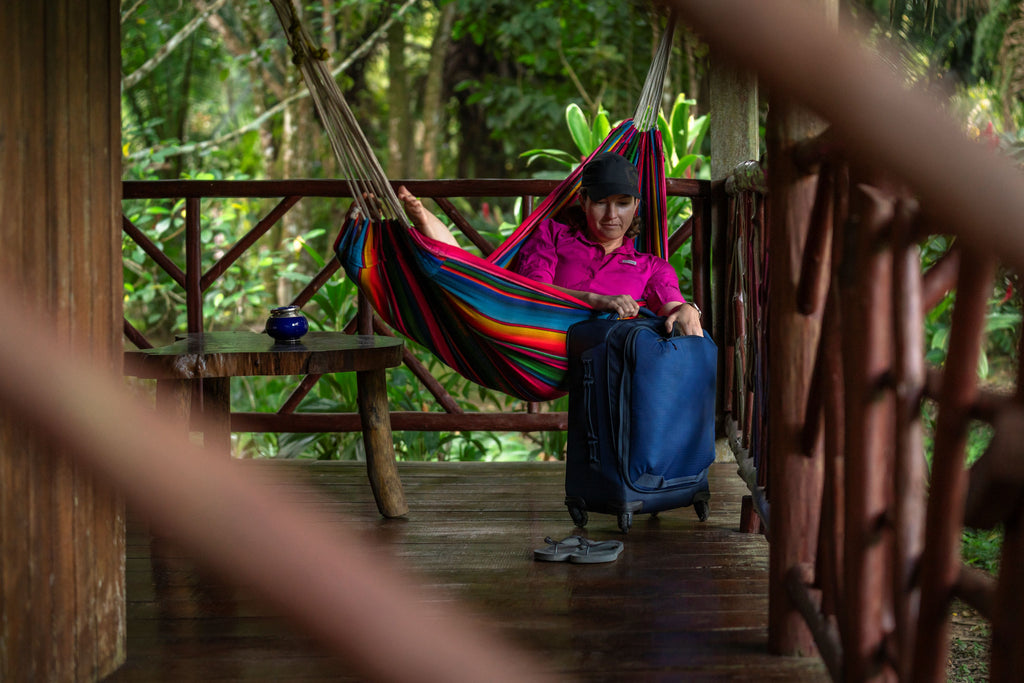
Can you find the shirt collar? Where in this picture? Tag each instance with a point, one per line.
(627, 248)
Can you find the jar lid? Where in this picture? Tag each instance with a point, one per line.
(282, 311)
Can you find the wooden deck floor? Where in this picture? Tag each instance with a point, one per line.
(686, 601)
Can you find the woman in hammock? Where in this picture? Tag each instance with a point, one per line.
(593, 258)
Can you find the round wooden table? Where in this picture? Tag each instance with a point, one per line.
(213, 358)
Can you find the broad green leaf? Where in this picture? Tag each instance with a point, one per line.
(557, 155)
(1002, 321)
(600, 131)
(578, 128)
(698, 128)
(667, 141)
(293, 445)
(680, 122)
(679, 169)
(317, 259)
(940, 340)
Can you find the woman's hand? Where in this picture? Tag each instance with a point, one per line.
(622, 304)
(684, 317)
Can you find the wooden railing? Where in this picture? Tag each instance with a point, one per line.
(198, 276)
(888, 530)
(864, 542)
(744, 334)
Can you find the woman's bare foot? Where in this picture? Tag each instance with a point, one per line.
(424, 221)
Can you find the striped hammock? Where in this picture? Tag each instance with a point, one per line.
(491, 325)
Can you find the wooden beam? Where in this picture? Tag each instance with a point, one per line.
(480, 187)
(401, 421)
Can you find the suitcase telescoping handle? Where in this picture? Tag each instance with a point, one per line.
(593, 453)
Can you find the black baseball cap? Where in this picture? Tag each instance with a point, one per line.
(608, 174)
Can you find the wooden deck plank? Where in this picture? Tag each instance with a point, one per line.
(685, 601)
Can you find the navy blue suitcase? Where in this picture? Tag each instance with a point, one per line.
(641, 419)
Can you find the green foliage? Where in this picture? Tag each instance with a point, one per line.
(593, 54)
(682, 137)
(585, 135)
(978, 547)
(1002, 321)
(997, 362)
(154, 302)
(982, 548)
(958, 47)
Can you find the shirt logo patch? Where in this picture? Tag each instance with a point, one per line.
(628, 262)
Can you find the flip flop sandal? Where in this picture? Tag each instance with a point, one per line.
(594, 552)
(558, 551)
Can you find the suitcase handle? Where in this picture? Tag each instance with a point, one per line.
(648, 313)
(593, 454)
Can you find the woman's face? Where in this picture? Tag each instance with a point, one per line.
(610, 218)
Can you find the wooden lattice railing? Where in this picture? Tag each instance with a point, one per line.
(885, 562)
(864, 544)
(744, 323)
(200, 275)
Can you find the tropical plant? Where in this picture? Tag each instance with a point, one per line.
(1002, 320)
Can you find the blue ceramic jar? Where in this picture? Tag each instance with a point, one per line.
(286, 325)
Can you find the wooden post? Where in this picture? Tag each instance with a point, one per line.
(733, 134)
(62, 587)
(868, 451)
(794, 475)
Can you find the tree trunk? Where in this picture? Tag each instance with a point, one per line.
(433, 107)
(399, 151)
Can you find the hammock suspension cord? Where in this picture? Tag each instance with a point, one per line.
(359, 165)
(649, 104)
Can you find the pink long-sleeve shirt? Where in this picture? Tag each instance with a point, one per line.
(555, 254)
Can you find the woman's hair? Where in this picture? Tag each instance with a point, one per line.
(576, 219)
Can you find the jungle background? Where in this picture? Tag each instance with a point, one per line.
(473, 88)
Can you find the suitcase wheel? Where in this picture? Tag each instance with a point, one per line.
(701, 507)
(579, 516)
(625, 521)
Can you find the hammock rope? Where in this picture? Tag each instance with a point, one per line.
(491, 325)
(359, 165)
(645, 117)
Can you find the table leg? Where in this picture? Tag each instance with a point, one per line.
(173, 399)
(176, 399)
(217, 414)
(380, 447)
